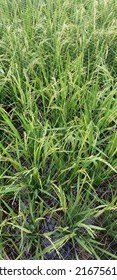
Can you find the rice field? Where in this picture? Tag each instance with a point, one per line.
(58, 129)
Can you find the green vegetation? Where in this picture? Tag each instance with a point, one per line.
(58, 139)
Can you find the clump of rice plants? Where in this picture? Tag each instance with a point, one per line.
(58, 138)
